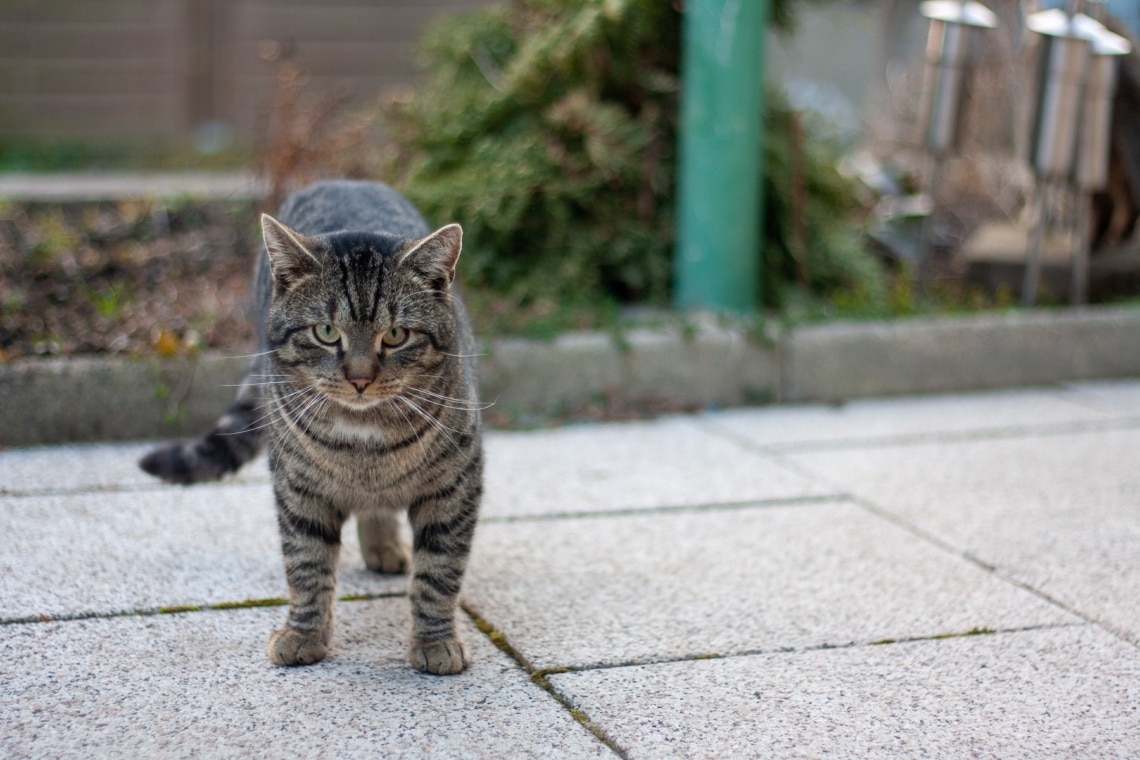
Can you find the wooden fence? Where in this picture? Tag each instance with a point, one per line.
(163, 68)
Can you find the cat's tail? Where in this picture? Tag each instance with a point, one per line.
(235, 439)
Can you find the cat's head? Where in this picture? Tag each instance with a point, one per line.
(361, 317)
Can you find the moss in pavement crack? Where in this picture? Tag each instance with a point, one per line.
(274, 601)
(177, 608)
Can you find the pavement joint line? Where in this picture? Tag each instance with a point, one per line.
(984, 566)
(947, 548)
(1025, 586)
(539, 678)
(181, 609)
(780, 501)
(824, 647)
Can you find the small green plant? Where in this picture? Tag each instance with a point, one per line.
(109, 301)
(54, 237)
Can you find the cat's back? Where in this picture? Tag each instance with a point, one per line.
(335, 205)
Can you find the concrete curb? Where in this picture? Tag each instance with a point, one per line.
(838, 361)
(703, 363)
(85, 187)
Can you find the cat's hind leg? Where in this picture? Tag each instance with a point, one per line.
(383, 549)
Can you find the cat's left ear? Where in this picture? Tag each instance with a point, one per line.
(437, 254)
(290, 257)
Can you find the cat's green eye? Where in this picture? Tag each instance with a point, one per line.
(326, 334)
(394, 337)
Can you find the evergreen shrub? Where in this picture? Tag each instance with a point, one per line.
(548, 129)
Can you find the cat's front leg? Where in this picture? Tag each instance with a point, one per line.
(443, 534)
(310, 542)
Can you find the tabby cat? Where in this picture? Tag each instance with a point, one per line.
(365, 390)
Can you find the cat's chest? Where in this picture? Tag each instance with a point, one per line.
(363, 461)
(351, 432)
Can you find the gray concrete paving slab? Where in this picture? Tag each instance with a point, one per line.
(79, 467)
(1058, 513)
(787, 541)
(78, 554)
(671, 461)
(200, 685)
(617, 589)
(1058, 693)
(875, 420)
(1119, 398)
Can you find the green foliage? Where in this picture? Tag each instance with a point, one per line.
(548, 129)
(57, 154)
(30, 154)
(813, 243)
(108, 302)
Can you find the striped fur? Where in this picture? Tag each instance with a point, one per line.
(364, 390)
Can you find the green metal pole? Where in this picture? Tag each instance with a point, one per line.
(719, 215)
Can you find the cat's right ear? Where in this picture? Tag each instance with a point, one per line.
(289, 256)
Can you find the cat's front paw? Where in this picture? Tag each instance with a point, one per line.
(291, 647)
(394, 557)
(443, 657)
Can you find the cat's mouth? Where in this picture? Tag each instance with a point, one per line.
(360, 401)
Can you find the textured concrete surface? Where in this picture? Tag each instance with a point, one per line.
(1064, 520)
(673, 461)
(614, 590)
(943, 576)
(89, 467)
(865, 422)
(1057, 693)
(199, 685)
(143, 550)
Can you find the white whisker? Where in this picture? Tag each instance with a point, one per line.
(271, 406)
(251, 356)
(412, 428)
(432, 421)
(463, 356)
(466, 405)
(316, 404)
(265, 384)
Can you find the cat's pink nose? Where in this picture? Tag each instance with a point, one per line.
(360, 383)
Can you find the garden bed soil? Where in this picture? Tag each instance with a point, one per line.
(126, 277)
